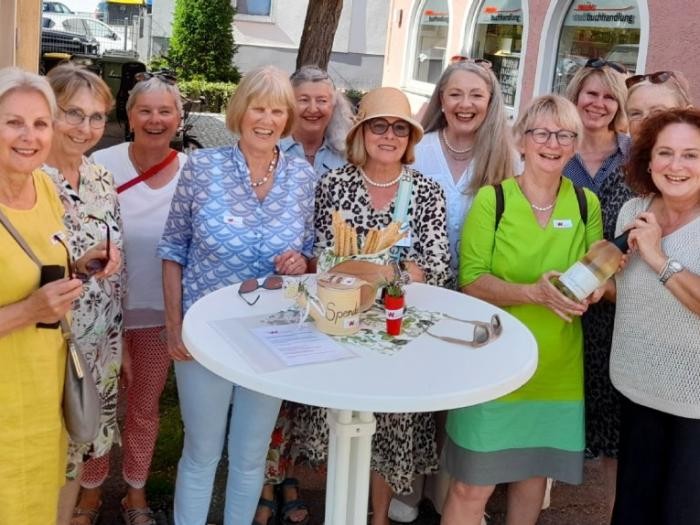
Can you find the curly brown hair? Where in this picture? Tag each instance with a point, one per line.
(638, 176)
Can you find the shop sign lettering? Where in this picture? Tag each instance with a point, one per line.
(604, 13)
(505, 12)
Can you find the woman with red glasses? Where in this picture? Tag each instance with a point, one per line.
(599, 93)
(375, 188)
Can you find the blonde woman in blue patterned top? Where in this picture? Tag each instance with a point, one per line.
(239, 212)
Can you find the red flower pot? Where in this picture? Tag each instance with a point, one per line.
(394, 313)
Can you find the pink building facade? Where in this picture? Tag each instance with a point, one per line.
(536, 46)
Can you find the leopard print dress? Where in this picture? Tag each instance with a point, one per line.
(602, 400)
(404, 444)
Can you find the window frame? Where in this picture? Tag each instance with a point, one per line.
(551, 34)
(410, 84)
(244, 17)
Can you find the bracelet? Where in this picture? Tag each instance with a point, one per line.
(664, 269)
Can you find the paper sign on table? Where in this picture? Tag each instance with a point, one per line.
(296, 344)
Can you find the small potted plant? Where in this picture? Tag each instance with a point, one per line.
(394, 302)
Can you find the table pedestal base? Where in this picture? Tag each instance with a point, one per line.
(349, 453)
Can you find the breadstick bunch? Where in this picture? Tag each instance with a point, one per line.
(376, 240)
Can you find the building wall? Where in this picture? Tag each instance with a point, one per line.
(673, 31)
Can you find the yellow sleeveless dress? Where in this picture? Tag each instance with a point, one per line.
(32, 364)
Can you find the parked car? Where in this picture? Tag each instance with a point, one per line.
(86, 26)
(56, 7)
(53, 41)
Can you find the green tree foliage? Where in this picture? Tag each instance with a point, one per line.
(202, 47)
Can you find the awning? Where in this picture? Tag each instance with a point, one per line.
(126, 2)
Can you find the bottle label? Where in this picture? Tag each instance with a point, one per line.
(394, 314)
(580, 280)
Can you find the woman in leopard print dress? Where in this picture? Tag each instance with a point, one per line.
(365, 191)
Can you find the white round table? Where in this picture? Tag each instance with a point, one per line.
(427, 375)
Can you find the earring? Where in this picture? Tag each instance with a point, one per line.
(648, 170)
(442, 109)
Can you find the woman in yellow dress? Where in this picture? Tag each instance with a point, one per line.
(32, 359)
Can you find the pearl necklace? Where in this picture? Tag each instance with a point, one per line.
(270, 169)
(543, 208)
(381, 184)
(451, 148)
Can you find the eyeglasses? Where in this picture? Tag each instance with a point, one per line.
(563, 136)
(75, 117)
(484, 332)
(70, 265)
(599, 63)
(379, 126)
(272, 282)
(457, 59)
(97, 265)
(163, 75)
(92, 266)
(655, 78)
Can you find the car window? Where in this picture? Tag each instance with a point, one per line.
(74, 25)
(99, 30)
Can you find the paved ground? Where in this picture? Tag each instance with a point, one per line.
(570, 505)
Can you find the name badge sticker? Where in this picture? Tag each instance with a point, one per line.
(562, 223)
(233, 220)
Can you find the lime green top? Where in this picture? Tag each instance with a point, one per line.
(520, 251)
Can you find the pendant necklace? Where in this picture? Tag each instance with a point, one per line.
(270, 169)
(380, 184)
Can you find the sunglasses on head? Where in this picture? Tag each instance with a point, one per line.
(484, 332)
(655, 78)
(163, 75)
(273, 282)
(457, 59)
(379, 126)
(599, 63)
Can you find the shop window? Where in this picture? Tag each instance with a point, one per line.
(431, 40)
(608, 29)
(498, 37)
(253, 7)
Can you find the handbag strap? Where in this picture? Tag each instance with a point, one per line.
(148, 173)
(65, 327)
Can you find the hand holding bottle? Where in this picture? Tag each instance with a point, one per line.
(645, 238)
(546, 294)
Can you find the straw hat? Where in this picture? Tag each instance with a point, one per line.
(384, 102)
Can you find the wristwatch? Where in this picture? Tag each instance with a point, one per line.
(400, 272)
(671, 267)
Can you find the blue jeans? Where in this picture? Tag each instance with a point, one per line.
(204, 402)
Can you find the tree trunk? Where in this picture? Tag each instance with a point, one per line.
(321, 22)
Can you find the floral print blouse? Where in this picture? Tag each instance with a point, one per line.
(97, 315)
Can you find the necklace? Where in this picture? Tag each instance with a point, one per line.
(451, 148)
(381, 184)
(270, 169)
(543, 208)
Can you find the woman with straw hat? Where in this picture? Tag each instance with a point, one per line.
(375, 188)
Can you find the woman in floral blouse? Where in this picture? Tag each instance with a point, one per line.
(87, 190)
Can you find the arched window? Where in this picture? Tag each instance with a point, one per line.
(498, 37)
(432, 23)
(607, 29)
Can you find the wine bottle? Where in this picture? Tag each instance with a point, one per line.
(599, 264)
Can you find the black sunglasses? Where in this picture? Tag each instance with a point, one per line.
(272, 282)
(379, 126)
(599, 63)
(70, 264)
(655, 78)
(164, 75)
(92, 266)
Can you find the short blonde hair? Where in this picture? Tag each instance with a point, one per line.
(357, 153)
(67, 79)
(613, 82)
(155, 83)
(266, 84)
(559, 109)
(15, 79)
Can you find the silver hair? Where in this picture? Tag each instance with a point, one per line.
(341, 118)
(154, 84)
(16, 79)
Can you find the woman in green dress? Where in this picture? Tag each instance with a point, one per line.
(545, 226)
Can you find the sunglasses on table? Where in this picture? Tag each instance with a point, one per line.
(272, 282)
(92, 266)
(599, 63)
(76, 117)
(541, 136)
(457, 59)
(483, 333)
(163, 75)
(379, 126)
(655, 78)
